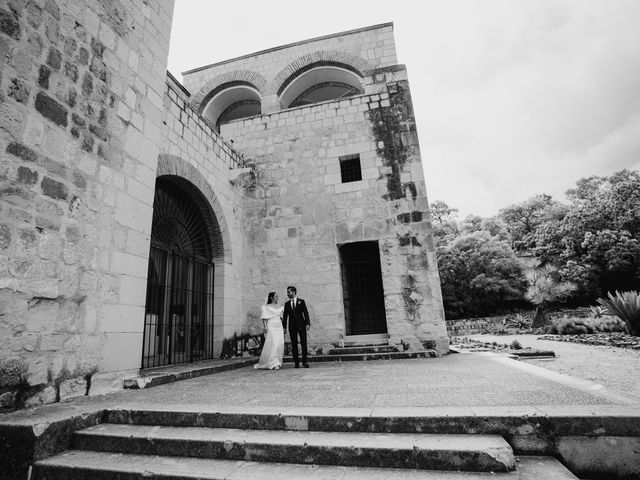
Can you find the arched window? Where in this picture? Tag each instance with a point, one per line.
(320, 84)
(231, 102)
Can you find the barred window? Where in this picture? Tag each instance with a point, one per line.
(350, 168)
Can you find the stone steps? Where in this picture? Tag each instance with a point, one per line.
(486, 453)
(84, 465)
(368, 356)
(231, 443)
(363, 349)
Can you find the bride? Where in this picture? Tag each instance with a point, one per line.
(273, 348)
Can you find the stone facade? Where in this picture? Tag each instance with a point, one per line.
(89, 120)
(81, 112)
(298, 211)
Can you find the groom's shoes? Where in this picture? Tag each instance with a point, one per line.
(305, 365)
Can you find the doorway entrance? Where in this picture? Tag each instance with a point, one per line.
(362, 288)
(179, 306)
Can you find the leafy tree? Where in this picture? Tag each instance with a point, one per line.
(523, 219)
(494, 226)
(441, 213)
(478, 273)
(596, 243)
(445, 226)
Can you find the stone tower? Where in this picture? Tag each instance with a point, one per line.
(336, 202)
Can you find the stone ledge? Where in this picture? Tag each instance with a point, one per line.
(148, 379)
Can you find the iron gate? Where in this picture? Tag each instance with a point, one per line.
(179, 306)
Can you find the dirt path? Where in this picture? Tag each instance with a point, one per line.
(612, 367)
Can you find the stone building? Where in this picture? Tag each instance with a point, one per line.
(142, 225)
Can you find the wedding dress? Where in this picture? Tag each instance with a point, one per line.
(273, 349)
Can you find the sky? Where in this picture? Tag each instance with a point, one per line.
(513, 98)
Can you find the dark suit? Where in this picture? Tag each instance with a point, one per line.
(298, 319)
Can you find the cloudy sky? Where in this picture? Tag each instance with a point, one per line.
(513, 98)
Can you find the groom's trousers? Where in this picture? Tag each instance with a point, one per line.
(295, 332)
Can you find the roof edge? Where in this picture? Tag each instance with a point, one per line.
(302, 42)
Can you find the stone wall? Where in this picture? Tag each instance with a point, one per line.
(192, 150)
(297, 210)
(81, 111)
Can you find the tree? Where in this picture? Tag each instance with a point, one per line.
(478, 274)
(596, 243)
(523, 219)
(546, 288)
(493, 225)
(441, 213)
(443, 218)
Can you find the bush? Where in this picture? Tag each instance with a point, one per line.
(625, 306)
(577, 326)
(515, 345)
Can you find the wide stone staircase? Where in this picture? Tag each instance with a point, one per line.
(133, 443)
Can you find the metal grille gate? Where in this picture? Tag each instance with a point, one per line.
(179, 306)
(362, 286)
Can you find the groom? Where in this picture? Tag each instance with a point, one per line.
(295, 312)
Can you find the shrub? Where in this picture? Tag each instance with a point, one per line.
(577, 326)
(625, 306)
(515, 345)
(519, 322)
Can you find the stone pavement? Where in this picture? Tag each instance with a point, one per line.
(589, 362)
(469, 380)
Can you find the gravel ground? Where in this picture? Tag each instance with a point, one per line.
(612, 367)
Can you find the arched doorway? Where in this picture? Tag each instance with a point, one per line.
(179, 303)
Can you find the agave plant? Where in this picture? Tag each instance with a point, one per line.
(625, 306)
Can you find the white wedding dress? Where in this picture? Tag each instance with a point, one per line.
(273, 349)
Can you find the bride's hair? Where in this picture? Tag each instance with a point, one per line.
(270, 297)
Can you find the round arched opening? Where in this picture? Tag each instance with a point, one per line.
(232, 103)
(179, 303)
(320, 84)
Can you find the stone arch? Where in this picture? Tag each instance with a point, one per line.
(218, 231)
(338, 58)
(236, 77)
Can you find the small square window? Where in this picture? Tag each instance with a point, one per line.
(350, 168)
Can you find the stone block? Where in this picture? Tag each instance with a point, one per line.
(105, 383)
(37, 372)
(129, 264)
(73, 388)
(12, 119)
(5, 235)
(33, 132)
(133, 290)
(51, 109)
(54, 60)
(43, 397)
(54, 189)
(19, 90)
(9, 24)
(121, 351)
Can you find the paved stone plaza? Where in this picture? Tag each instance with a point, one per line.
(468, 381)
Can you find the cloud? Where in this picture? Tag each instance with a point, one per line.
(547, 98)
